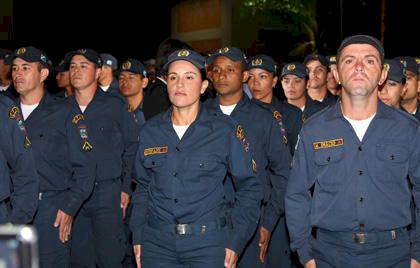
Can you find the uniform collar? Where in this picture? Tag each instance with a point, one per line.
(334, 111)
(202, 117)
(215, 104)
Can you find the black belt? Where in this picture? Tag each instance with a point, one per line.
(363, 237)
(186, 229)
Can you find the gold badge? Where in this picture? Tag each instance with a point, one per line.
(155, 150)
(277, 115)
(333, 59)
(254, 166)
(257, 62)
(83, 51)
(21, 51)
(224, 50)
(386, 67)
(418, 60)
(77, 118)
(87, 146)
(328, 144)
(285, 139)
(291, 67)
(302, 118)
(13, 112)
(27, 143)
(126, 65)
(183, 53)
(240, 132)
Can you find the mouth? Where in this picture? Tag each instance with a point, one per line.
(178, 93)
(221, 84)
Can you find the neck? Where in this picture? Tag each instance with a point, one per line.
(32, 97)
(410, 105)
(134, 101)
(317, 93)
(182, 116)
(231, 99)
(300, 103)
(69, 90)
(268, 98)
(359, 108)
(85, 96)
(106, 81)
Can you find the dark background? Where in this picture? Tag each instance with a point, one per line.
(127, 30)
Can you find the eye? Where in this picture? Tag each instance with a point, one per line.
(216, 70)
(251, 77)
(348, 61)
(370, 62)
(263, 76)
(171, 77)
(298, 81)
(189, 77)
(14, 68)
(231, 70)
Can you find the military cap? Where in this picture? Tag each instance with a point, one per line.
(295, 68)
(232, 53)
(29, 54)
(409, 63)
(395, 70)
(362, 39)
(4, 53)
(316, 57)
(133, 66)
(109, 60)
(188, 55)
(88, 53)
(263, 62)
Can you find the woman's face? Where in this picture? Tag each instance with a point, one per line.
(185, 84)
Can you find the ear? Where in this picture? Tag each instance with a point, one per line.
(144, 82)
(275, 81)
(44, 74)
(245, 76)
(384, 75)
(98, 73)
(204, 86)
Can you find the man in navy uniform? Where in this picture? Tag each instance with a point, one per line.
(63, 80)
(317, 83)
(410, 101)
(356, 155)
(66, 179)
(107, 82)
(268, 146)
(393, 89)
(17, 167)
(98, 235)
(6, 84)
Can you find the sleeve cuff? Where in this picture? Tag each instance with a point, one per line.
(305, 254)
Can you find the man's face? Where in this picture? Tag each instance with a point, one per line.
(227, 75)
(83, 73)
(106, 71)
(4, 70)
(130, 83)
(261, 83)
(27, 76)
(359, 70)
(391, 92)
(317, 74)
(294, 87)
(63, 79)
(411, 86)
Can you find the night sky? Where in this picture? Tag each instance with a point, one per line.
(126, 31)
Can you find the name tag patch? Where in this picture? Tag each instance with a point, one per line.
(328, 144)
(155, 150)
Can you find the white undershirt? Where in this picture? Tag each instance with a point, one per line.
(302, 109)
(4, 88)
(105, 88)
(415, 111)
(227, 109)
(180, 130)
(83, 108)
(28, 109)
(360, 126)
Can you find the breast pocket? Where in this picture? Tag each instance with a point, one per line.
(155, 163)
(329, 169)
(393, 161)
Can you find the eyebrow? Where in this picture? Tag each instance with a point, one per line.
(81, 62)
(24, 64)
(190, 72)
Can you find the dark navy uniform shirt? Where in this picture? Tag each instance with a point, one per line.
(10, 92)
(416, 115)
(329, 99)
(62, 164)
(181, 181)
(17, 166)
(289, 118)
(311, 108)
(113, 135)
(269, 151)
(358, 186)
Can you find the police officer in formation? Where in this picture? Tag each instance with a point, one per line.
(356, 155)
(64, 169)
(210, 179)
(180, 215)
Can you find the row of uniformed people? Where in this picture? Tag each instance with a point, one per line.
(226, 60)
